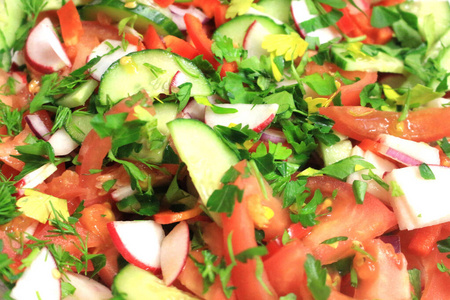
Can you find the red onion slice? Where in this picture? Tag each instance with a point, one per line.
(274, 135)
(38, 127)
(178, 15)
(394, 240)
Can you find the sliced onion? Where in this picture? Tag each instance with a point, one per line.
(178, 15)
(402, 157)
(273, 135)
(38, 127)
(394, 240)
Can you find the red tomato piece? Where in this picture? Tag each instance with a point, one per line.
(286, 272)
(360, 123)
(385, 277)
(358, 222)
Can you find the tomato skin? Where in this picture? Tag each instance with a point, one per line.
(91, 155)
(360, 123)
(286, 272)
(191, 278)
(385, 277)
(358, 222)
(349, 93)
(7, 148)
(240, 226)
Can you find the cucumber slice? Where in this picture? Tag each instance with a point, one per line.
(151, 70)
(360, 62)
(279, 9)
(78, 127)
(146, 15)
(57, 4)
(426, 11)
(12, 15)
(206, 156)
(136, 284)
(237, 27)
(79, 96)
(165, 112)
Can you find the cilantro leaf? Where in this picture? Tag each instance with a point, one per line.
(223, 47)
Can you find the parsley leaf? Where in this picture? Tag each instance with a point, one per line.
(414, 279)
(334, 240)
(383, 16)
(359, 190)
(316, 278)
(12, 119)
(321, 21)
(426, 172)
(223, 200)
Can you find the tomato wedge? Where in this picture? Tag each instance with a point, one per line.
(357, 222)
(360, 123)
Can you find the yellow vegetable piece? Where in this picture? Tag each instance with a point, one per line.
(290, 45)
(276, 73)
(38, 206)
(238, 7)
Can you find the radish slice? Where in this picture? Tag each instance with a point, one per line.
(40, 278)
(43, 50)
(194, 110)
(38, 127)
(139, 242)
(174, 252)
(62, 143)
(106, 60)
(254, 38)
(178, 79)
(300, 13)
(86, 288)
(122, 193)
(257, 116)
(33, 179)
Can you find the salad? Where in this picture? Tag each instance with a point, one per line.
(208, 149)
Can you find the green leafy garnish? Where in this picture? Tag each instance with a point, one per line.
(316, 278)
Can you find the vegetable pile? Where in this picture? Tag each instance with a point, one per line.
(209, 149)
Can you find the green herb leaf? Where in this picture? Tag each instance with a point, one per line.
(67, 289)
(251, 253)
(414, 279)
(223, 200)
(321, 21)
(323, 85)
(334, 240)
(316, 278)
(396, 189)
(359, 190)
(346, 166)
(383, 16)
(426, 172)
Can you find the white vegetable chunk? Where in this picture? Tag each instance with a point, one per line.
(424, 202)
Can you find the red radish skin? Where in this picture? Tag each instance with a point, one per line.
(139, 242)
(43, 49)
(174, 252)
